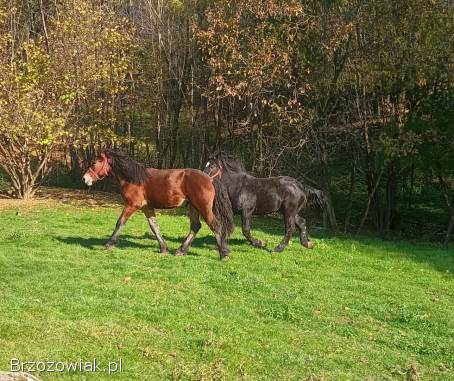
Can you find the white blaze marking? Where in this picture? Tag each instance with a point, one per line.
(208, 164)
(88, 180)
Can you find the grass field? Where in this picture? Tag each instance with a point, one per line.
(351, 309)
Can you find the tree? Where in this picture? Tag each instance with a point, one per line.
(45, 82)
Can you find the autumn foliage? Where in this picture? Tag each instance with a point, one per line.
(355, 97)
(49, 85)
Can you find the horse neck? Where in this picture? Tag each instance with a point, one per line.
(231, 179)
(121, 181)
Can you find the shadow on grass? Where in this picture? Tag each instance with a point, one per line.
(130, 241)
(209, 242)
(434, 255)
(125, 241)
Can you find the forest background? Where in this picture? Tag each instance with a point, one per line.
(353, 97)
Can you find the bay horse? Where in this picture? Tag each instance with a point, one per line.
(251, 195)
(148, 189)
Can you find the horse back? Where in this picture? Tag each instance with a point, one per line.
(268, 195)
(169, 188)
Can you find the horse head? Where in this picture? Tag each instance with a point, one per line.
(99, 169)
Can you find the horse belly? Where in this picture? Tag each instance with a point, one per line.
(166, 190)
(267, 203)
(260, 201)
(267, 208)
(165, 201)
(175, 202)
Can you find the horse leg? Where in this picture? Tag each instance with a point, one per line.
(222, 245)
(289, 220)
(214, 225)
(151, 218)
(246, 217)
(195, 226)
(128, 211)
(304, 238)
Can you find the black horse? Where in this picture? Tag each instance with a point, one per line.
(251, 195)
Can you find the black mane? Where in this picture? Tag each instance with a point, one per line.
(126, 168)
(228, 162)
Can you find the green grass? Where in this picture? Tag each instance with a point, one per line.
(351, 309)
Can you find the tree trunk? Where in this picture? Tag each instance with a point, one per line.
(350, 196)
(75, 165)
(412, 185)
(158, 142)
(327, 190)
(391, 199)
(369, 201)
(449, 202)
(450, 226)
(374, 196)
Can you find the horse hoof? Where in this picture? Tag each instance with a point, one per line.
(278, 249)
(309, 245)
(110, 246)
(259, 244)
(179, 253)
(225, 258)
(164, 251)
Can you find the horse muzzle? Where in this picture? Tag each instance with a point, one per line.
(88, 179)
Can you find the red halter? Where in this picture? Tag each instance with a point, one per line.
(96, 175)
(219, 171)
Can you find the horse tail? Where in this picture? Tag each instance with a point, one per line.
(222, 209)
(314, 197)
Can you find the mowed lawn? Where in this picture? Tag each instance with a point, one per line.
(351, 309)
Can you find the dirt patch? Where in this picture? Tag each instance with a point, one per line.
(48, 196)
(10, 376)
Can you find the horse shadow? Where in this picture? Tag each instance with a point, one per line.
(420, 252)
(204, 242)
(126, 241)
(148, 241)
